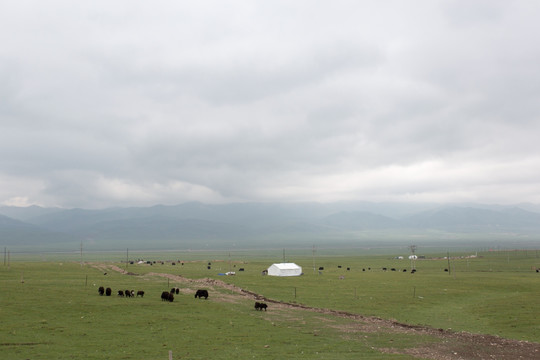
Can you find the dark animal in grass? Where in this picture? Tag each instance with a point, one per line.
(165, 296)
(140, 293)
(108, 291)
(121, 293)
(175, 290)
(201, 293)
(171, 297)
(101, 290)
(132, 293)
(260, 306)
(127, 293)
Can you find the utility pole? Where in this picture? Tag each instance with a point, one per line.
(448, 257)
(313, 258)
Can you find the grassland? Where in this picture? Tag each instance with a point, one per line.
(50, 307)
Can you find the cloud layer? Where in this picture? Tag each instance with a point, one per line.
(136, 103)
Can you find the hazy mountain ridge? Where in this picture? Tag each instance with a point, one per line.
(254, 223)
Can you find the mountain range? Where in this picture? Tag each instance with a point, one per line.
(250, 225)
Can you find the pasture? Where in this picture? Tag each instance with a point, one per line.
(52, 309)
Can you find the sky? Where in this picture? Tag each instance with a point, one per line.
(136, 103)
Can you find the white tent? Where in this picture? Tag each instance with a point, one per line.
(285, 269)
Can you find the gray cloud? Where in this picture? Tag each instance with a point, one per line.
(134, 103)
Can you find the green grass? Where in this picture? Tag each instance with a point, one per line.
(57, 313)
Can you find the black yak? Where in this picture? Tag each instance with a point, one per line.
(165, 296)
(140, 293)
(101, 290)
(260, 306)
(108, 292)
(127, 293)
(171, 297)
(201, 293)
(121, 293)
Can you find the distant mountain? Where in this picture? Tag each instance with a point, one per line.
(360, 220)
(468, 219)
(16, 232)
(25, 213)
(197, 225)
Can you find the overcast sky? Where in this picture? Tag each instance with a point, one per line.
(136, 103)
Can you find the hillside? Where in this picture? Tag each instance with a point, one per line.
(197, 225)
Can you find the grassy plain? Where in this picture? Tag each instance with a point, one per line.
(50, 307)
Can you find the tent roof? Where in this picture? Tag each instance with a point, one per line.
(286, 266)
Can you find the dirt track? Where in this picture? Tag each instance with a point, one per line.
(453, 345)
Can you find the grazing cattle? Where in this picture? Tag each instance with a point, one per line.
(165, 296)
(127, 293)
(339, 266)
(260, 306)
(413, 271)
(171, 297)
(140, 293)
(241, 269)
(384, 269)
(348, 269)
(201, 293)
(537, 270)
(132, 293)
(121, 293)
(446, 270)
(404, 270)
(175, 290)
(321, 268)
(363, 269)
(393, 269)
(101, 290)
(108, 292)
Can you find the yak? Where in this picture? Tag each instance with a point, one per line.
(260, 306)
(121, 293)
(140, 293)
(127, 293)
(201, 293)
(108, 292)
(101, 290)
(165, 296)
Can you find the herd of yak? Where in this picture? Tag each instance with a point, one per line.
(166, 295)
